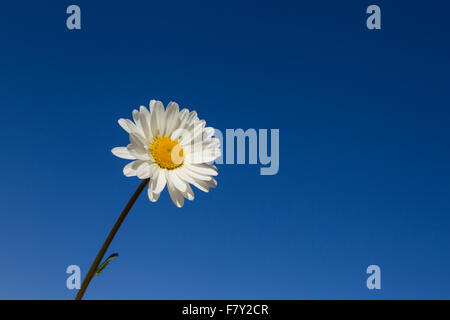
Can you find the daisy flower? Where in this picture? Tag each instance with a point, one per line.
(170, 147)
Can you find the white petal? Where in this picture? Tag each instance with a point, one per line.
(189, 194)
(195, 174)
(176, 196)
(130, 169)
(205, 185)
(204, 168)
(192, 117)
(203, 146)
(136, 116)
(153, 170)
(181, 172)
(177, 182)
(159, 181)
(208, 132)
(171, 118)
(138, 144)
(157, 118)
(152, 196)
(144, 119)
(129, 126)
(204, 156)
(184, 114)
(201, 187)
(138, 153)
(180, 134)
(196, 133)
(144, 171)
(123, 152)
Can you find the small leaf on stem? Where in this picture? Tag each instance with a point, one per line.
(105, 263)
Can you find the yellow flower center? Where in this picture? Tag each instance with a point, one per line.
(168, 153)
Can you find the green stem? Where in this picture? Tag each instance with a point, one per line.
(108, 240)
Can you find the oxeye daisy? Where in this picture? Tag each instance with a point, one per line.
(170, 147)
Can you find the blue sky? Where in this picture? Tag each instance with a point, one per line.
(364, 149)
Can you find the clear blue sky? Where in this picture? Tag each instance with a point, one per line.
(364, 148)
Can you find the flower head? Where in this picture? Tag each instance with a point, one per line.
(170, 147)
